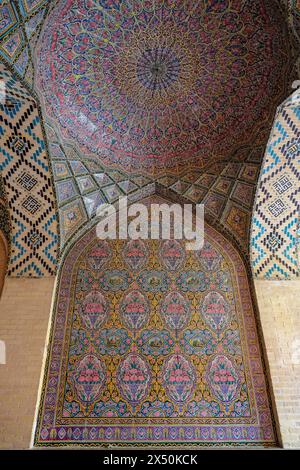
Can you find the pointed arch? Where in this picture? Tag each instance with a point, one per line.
(97, 330)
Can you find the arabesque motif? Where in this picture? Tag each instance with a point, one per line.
(89, 378)
(93, 310)
(133, 378)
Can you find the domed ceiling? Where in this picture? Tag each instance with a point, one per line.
(151, 85)
(137, 97)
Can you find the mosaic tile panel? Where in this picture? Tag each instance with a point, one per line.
(146, 353)
(72, 217)
(65, 190)
(214, 203)
(27, 180)
(237, 219)
(9, 18)
(243, 193)
(93, 201)
(86, 184)
(105, 185)
(275, 223)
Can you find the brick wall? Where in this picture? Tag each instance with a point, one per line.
(279, 306)
(24, 315)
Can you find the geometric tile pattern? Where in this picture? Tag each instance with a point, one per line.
(83, 183)
(4, 214)
(275, 223)
(20, 27)
(27, 182)
(227, 190)
(72, 216)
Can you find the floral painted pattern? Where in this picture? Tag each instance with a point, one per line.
(154, 281)
(153, 353)
(113, 341)
(216, 311)
(99, 255)
(115, 280)
(172, 95)
(89, 378)
(155, 342)
(192, 281)
(175, 310)
(135, 309)
(209, 258)
(135, 254)
(172, 254)
(93, 310)
(133, 378)
(223, 378)
(198, 342)
(179, 378)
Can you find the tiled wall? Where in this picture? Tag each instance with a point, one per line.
(275, 222)
(27, 182)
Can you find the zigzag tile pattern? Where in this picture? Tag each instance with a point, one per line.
(4, 215)
(275, 224)
(27, 181)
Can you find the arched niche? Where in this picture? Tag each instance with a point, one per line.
(152, 345)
